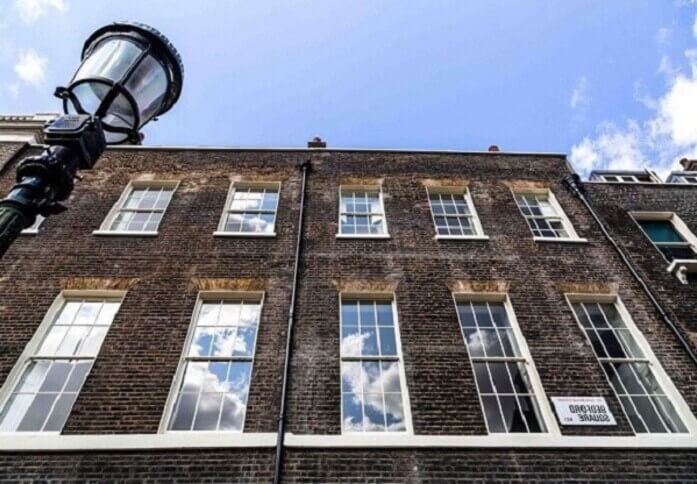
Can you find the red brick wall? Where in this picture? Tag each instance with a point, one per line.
(129, 384)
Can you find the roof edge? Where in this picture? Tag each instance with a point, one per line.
(321, 150)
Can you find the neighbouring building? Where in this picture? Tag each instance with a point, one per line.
(455, 316)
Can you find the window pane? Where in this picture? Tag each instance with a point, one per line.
(481, 373)
(473, 340)
(510, 347)
(390, 376)
(244, 341)
(374, 419)
(660, 231)
(351, 377)
(388, 345)
(60, 412)
(490, 342)
(352, 409)
(483, 318)
(530, 413)
(394, 412)
(367, 313)
(56, 377)
(37, 413)
(349, 313)
(351, 341)
(492, 414)
(184, 411)
(207, 411)
(369, 341)
(673, 252)
(514, 420)
(384, 310)
(500, 377)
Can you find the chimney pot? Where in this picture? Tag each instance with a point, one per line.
(494, 148)
(689, 165)
(316, 143)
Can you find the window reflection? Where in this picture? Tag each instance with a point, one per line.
(508, 400)
(372, 399)
(251, 210)
(53, 377)
(628, 369)
(215, 386)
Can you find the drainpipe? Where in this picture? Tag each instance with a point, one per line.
(574, 185)
(305, 167)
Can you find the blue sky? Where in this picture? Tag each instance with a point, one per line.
(613, 83)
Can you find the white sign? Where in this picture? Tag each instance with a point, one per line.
(583, 411)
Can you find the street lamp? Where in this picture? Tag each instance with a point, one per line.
(130, 73)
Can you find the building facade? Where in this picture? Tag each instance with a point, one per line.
(444, 304)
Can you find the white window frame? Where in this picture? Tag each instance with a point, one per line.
(548, 416)
(561, 214)
(33, 229)
(684, 178)
(622, 179)
(681, 407)
(104, 229)
(399, 358)
(202, 297)
(235, 185)
(679, 226)
(465, 193)
(363, 188)
(37, 339)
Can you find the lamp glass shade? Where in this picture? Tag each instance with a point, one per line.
(110, 60)
(129, 74)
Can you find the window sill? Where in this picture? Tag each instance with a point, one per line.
(12, 442)
(244, 234)
(124, 233)
(564, 240)
(680, 268)
(363, 236)
(401, 440)
(29, 232)
(462, 237)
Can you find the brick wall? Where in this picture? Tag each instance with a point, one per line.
(130, 381)
(613, 202)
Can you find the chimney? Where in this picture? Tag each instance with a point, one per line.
(689, 165)
(316, 143)
(494, 149)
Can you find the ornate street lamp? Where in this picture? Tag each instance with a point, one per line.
(130, 73)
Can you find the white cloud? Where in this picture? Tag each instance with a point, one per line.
(642, 95)
(32, 10)
(579, 97)
(670, 133)
(666, 68)
(614, 148)
(31, 67)
(661, 35)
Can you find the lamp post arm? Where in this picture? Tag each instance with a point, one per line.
(12, 222)
(45, 180)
